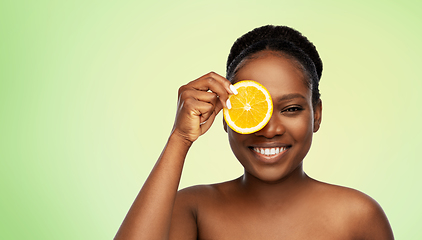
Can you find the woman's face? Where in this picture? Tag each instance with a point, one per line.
(290, 129)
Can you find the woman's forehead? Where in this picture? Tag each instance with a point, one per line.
(277, 73)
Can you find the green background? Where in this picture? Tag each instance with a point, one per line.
(88, 92)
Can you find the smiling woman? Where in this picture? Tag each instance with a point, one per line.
(274, 198)
(291, 126)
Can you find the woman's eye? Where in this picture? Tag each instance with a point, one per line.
(292, 109)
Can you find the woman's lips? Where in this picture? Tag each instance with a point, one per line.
(269, 154)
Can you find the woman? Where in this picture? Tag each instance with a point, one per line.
(274, 199)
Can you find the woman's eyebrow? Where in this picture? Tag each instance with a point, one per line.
(290, 97)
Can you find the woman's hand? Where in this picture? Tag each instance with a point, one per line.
(199, 102)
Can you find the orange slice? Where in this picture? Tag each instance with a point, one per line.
(251, 108)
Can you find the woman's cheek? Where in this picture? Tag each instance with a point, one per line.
(300, 127)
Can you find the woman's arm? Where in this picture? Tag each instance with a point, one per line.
(150, 214)
(199, 102)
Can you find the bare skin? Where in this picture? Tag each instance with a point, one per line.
(274, 199)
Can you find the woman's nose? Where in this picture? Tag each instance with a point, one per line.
(273, 128)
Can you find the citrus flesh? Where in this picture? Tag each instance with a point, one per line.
(251, 108)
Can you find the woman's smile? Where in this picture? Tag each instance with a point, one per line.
(269, 153)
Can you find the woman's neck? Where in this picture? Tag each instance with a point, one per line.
(284, 189)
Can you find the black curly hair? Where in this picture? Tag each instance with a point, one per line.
(281, 39)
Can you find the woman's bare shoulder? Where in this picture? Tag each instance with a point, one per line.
(207, 191)
(207, 194)
(189, 202)
(361, 213)
(344, 197)
(346, 194)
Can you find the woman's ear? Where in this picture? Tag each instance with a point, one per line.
(317, 115)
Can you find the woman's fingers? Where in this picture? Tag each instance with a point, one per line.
(208, 97)
(209, 116)
(215, 83)
(199, 102)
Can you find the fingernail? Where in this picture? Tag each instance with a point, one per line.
(233, 89)
(228, 104)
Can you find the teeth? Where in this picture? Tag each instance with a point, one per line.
(269, 151)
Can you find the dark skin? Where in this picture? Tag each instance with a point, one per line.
(274, 199)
